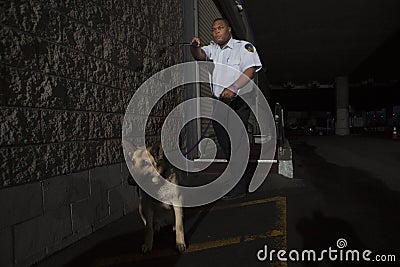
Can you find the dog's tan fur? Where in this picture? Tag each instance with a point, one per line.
(154, 213)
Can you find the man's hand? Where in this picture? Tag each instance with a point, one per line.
(196, 40)
(196, 51)
(228, 94)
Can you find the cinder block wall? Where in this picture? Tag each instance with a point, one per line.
(68, 70)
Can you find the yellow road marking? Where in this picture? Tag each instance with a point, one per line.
(213, 244)
(249, 203)
(195, 247)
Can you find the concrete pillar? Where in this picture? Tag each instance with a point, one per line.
(342, 106)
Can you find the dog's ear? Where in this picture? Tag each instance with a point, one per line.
(129, 148)
(160, 152)
(157, 152)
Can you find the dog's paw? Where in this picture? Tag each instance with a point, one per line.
(146, 248)
(181, 247)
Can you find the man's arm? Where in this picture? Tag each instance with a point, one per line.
(197, 52)
(246, 76)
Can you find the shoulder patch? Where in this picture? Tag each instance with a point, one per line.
(249, 47)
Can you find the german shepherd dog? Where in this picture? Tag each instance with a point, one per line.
(156, 214)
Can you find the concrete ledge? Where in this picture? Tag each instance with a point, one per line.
(52, 214)
(6, 255)
(20, 203)
(32, 237)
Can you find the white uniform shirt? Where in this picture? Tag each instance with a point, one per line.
(237, 54)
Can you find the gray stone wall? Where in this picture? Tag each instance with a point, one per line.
(67, 72)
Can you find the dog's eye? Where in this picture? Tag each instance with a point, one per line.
(145, 163)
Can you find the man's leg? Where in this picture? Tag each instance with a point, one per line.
(243, 111)
(220, 132)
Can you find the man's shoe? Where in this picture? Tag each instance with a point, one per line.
(231, 196)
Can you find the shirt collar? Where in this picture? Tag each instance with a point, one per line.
(229, 44)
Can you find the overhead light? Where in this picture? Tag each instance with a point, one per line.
(239, 6)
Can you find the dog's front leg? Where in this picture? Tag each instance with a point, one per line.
(149, 232)
(180, 235)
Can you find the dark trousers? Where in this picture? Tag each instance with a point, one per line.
(243, 111)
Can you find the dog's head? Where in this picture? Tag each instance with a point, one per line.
(146, 161)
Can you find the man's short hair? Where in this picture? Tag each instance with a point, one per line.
(223, 19)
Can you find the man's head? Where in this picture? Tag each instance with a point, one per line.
(221, 31)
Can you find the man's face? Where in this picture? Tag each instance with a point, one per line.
(221, 32)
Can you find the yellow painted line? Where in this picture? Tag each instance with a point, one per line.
(249, 203)
(238, 205)
(213, 244)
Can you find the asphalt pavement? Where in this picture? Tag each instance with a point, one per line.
(344, 197)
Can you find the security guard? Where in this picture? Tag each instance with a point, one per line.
(226, 85)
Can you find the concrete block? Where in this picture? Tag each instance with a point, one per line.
(6, 247)
(19, 126)
(82, 216)
(10, 83)
(26, 164)
(20, 203)
(102, 72)
(105, 125)
(38, 90)
(79, 125)
(85, 96)
(131, 199)
(18, 49)
(69, 240)
(125, 173)
(114, 96)
(95, 17)
(56, 159)
(57, 127)
(127, 78)
(32, 237)
(33, 163)
(81, 38)
(129, 193)
(82, 155)
(62, 61)
(33, 17)
(107, 220)
(52, 27)
(116, 199)
(87, 212)
(106, 177)
(5, 167)
(62, 190)
(108, 152)
(73, 9)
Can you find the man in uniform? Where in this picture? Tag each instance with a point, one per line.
(243, 57)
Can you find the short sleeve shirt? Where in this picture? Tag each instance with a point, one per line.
(237, 54)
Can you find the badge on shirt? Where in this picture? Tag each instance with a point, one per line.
(249, 48)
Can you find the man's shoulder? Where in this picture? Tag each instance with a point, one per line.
(245, 45)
